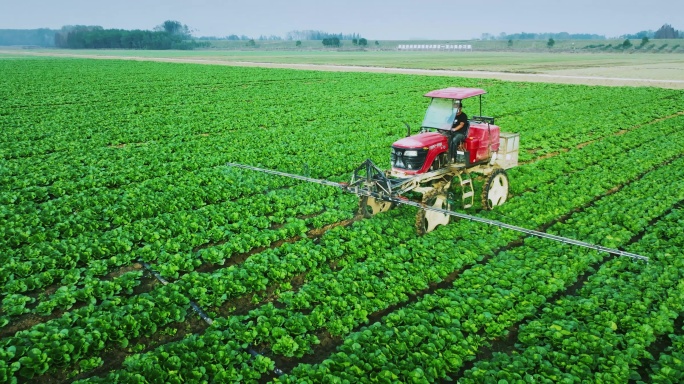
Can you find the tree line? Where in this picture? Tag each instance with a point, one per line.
(42, 37)
(168, 35)
(664, 32)
(320, 35)
(543, 36)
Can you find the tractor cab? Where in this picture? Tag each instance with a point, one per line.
(429, 150)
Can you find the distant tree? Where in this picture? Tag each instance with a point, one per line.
(298, 43)
(173, 27)
(639, 35)
(666, 32)
(318, 35)
(363, 42)
(355, 41)
(543, 36)
(42, 37)
(550, 43)
(626, 44)
(331, 42)
(510, 42)
(377, 42)
(251, 43)
(271, 37)
(84, 37)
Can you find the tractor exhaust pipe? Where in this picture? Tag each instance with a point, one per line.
(408, 129)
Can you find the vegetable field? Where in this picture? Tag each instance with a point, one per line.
(129, 252)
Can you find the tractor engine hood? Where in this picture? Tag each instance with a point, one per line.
(421, 140)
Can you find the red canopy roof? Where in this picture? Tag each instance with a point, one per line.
(456, 93)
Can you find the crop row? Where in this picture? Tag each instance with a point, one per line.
(202, 279)
(172, 242)
(533, 175)
(412, 343)
(341, 307)
(171, 263)
(669, 369)
(569, 125)
(602, 333)
(75, 158)
(176, 116)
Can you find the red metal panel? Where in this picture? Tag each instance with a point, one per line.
(479, 138)
(421, 140)
(456, 93)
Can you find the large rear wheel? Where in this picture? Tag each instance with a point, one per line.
(427, 221)
(495, 189)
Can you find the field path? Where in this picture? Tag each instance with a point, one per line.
(509, 76)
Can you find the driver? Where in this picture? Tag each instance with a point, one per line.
(459, 128)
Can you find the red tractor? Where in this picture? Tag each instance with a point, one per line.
(425, 163)
(432, 177)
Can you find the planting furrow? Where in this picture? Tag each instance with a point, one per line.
(604, 332)
(664, 361)
(486, 300)
(340, 321)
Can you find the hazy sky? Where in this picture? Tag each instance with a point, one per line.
(372, 19)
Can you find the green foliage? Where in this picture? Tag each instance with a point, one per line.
(171, 35)
(666, 32)
(550, 43)
(92, 191)
(626, 44)
(173, 27)
(331, 42)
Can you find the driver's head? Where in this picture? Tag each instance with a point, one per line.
(458, 106)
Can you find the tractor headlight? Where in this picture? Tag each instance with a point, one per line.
(411, 153)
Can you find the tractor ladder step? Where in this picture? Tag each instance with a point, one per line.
(467, 191)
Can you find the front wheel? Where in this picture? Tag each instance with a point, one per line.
(369, 206)
(495, 189)
(427, 220)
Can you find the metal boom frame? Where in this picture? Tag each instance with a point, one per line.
(357, 188)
